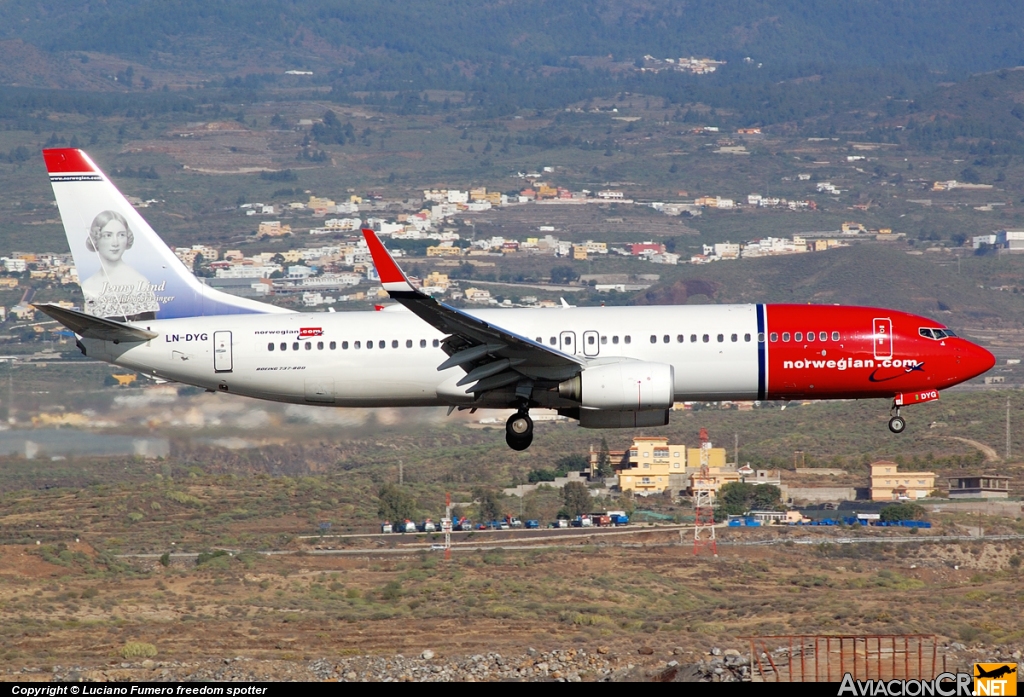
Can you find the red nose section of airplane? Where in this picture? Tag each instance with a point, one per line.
(977, 360)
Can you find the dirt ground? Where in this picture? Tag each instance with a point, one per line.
(71, 605)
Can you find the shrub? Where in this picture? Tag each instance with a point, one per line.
(138, 649)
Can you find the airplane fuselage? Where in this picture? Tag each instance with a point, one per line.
(718, 352)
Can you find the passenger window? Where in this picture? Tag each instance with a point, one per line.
(284, 346)
(615, 339)
(540, 340)
(309, 345)
(773, 337)
(408, 343)
(423, 343)
(693, 338)
(785, 336)
(746, 337)
(590, 340)
(810, 336)
(721, 338)
(706, 338)
(679, 338)
(552, 341)
(604, 339)
(270, 346)
(627, 338)
(654, 339)
(835, 336)
(394, 343)
(295, 346)
(666, 339)
(357, 345)
(823, 336)
(436, 343)
(760, 337)
(319, 346)
(381, 344)
(799, 336)
(734, 338)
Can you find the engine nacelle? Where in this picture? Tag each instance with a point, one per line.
(622, 386)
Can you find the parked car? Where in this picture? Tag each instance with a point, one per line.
(385, 527)
(532, 524)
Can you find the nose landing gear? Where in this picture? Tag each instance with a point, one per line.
(897, 424)
(519, 430)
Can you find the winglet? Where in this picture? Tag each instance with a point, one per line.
(391, 277)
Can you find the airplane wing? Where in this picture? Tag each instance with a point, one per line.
(492, 357)
(95, 327)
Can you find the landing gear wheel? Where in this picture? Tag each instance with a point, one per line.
(519, 431)
(897, 424)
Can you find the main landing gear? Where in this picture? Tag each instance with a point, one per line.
(519, 430)
(897, 424)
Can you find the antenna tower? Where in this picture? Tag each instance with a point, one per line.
(703, 494)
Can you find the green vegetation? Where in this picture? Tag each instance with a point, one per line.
(396, 503)
(902, 511)
(739, 498)
(137, 649)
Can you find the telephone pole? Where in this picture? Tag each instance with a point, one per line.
(1007, 428)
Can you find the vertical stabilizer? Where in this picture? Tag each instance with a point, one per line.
(126, 271)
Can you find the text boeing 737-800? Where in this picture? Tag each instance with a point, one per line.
(607, 367)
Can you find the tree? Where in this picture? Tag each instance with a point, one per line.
(901, 511)
(571, 463)
(563, 274)
(737, 498)
(489, 504)
(604, 460)
(394, 503)
(576, 498)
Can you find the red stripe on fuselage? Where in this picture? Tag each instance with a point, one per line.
(865, 352)
(66, 160)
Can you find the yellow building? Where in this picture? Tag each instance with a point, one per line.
(887, 484)
(651, 461)
(443, 251)
(579, 252)
(316, 202)
(436, 279)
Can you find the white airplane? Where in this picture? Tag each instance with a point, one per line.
(608, 367)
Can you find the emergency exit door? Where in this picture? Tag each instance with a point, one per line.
(882, 338)
(222, 352)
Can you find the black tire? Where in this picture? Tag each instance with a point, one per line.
(519, 442)
(519, 431)
(897, 424)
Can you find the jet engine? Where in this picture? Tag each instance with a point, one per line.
(622, 386)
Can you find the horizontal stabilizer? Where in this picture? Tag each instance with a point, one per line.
(95, 327)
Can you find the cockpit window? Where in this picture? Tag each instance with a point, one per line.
(932, 333)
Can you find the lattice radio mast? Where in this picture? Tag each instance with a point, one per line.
(703, 494)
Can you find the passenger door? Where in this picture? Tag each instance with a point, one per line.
(222, 362)
(882, 338)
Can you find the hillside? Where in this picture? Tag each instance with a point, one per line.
(873, 275)
(413, 37)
